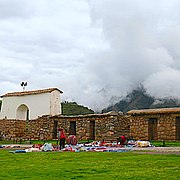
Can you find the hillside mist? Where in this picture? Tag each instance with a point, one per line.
(139, 99)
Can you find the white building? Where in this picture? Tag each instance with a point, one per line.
(31, 104)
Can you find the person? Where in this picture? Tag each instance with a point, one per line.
(62, 138)
(122, 139)
(72, 140)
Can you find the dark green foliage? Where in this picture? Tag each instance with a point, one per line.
(72, 108)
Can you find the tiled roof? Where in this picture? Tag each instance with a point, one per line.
(154, 111)
(31, 92)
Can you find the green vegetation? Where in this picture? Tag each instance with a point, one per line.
(88, 165)
(72, 108)
(166, 143)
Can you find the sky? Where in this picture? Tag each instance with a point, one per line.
(94, 51)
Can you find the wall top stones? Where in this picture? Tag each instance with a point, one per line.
(112, 113)
(154, 111)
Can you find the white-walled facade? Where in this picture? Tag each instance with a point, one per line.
(31, 104)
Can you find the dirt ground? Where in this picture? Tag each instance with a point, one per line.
(157, 150)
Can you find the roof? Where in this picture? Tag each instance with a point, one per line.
(112, 113)
(154, 111)
(24, 93)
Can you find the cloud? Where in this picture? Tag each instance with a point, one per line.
(46, 44)
(94, 51)
(143, 39)
(164, 83)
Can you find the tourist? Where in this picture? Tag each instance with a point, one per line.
(62, 137)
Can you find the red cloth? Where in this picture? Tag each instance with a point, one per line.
(62, 135)
(123, 140)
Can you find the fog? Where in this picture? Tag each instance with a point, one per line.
(94, 51)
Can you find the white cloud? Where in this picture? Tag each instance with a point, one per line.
(143, 38)
(94, 51)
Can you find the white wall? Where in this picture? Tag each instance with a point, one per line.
(55, 103)
(38, 105)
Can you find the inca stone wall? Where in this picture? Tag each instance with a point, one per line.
(139, 128)
(40, 128)
(165, 129)
(12, 129)
(112, 127)
(106, 126)
(98, 126)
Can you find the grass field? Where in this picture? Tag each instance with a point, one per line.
(166, 143)
(88, 165)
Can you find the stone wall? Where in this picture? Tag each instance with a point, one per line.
(106, 126)
(12, 129)
(40, 128)
(98, 126)
(139, 128)
(112, 127)
(165, 128)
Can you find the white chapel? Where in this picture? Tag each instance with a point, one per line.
(31, 104)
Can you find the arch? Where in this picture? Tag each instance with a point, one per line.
(22, 112)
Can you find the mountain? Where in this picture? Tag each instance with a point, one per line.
(166, 103)
(139, 99)
(72, 108)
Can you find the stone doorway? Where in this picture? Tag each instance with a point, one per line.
(152, 129)
(72, 128)
(92, 130)
(54, 135)
(177, 128)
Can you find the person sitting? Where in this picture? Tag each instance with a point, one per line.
(122, 139)
(72, 140)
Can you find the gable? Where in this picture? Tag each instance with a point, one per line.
(24, 93)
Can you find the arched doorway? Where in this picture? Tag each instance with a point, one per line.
(22, 112)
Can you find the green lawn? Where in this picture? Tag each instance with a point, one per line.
(166, 143)
(88, 165)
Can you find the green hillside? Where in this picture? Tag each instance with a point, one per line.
(72, 108)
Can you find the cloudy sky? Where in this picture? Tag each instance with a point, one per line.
(95, 51)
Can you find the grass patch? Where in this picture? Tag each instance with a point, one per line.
(88, 165)
(166, 143)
